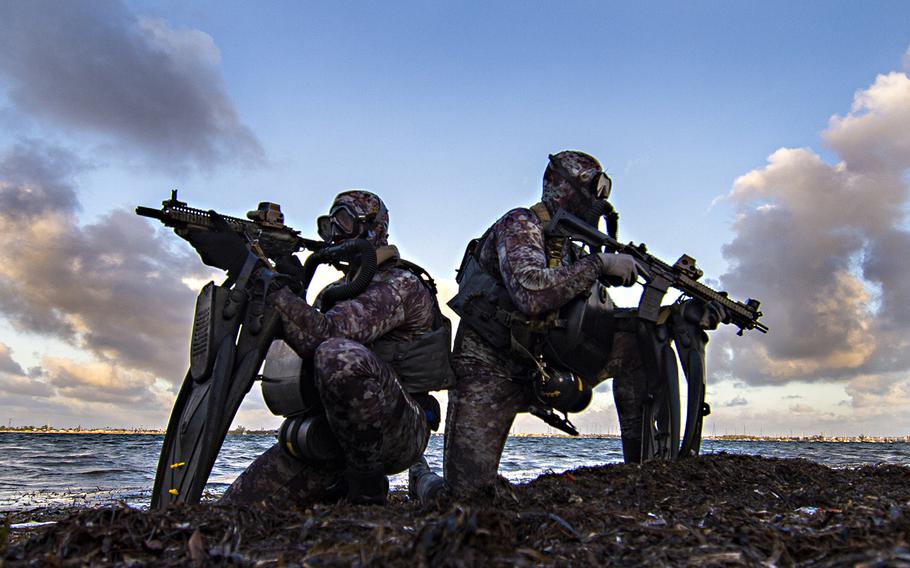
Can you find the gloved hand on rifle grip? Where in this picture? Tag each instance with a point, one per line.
(707, 315)
(290, 265)
(620, 269)
(274, 281)
(221, 248)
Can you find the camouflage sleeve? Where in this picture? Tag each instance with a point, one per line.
(370, 315)
(533, 287)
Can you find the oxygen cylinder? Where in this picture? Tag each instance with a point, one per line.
(309, 438)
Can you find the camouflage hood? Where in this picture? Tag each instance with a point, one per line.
(370, 207)
(559, 193)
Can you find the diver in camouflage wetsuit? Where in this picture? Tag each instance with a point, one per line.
(380, 427)
(540, 275)
(492, 385)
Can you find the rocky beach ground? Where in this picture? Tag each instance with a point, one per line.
(714, 510)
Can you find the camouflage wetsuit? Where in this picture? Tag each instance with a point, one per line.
(492, 384)
(378, 425)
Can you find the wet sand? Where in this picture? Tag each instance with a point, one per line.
(715, 510)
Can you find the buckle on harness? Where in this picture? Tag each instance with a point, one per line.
(506, 318)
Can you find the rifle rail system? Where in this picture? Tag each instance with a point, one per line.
(265, 227)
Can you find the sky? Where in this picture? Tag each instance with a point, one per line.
(770, 141)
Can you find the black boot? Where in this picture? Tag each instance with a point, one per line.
(369, 487)
(631, 449)
(423, 483)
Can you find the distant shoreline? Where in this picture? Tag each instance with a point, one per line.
(247, 432)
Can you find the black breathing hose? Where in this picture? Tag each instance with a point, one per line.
(612, 221)
(350, 251)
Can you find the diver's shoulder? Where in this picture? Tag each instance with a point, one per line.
(399, 276)
(518, 218)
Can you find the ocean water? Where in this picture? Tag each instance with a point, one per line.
(93, 469)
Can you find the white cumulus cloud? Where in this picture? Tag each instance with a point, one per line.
(824, 246)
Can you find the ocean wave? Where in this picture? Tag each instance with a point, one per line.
(42, 470)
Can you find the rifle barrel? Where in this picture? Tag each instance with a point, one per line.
(149, 212)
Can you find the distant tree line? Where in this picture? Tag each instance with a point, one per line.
(241, 430)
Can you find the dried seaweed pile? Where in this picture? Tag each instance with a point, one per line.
(714, 510)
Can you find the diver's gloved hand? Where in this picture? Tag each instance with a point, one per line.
(275, 281)
(706, 315)
(290, 265)
(221, 248)
(288, 273)
(620, 269)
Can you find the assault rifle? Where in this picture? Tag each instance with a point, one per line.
(682, 275)
(265, 230)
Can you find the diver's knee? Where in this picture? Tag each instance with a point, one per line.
(329, 351)
(338, 361)
(343, 368)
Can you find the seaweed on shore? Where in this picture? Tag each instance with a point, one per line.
(715, 510)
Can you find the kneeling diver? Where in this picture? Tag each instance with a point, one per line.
(515, 282)
(374, 357)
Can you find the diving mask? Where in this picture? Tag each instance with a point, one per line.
(341, 222)
(594, 180)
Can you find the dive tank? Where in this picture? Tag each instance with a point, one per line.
(287, 387)
(582, 344)
(309, 438)
(289, 390)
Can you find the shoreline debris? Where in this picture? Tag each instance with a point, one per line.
(718, 509)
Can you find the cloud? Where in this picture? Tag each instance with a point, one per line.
(97, 381)
(14, 380)
(824, 246)
(111, 287)
(34, 179)
(879, 395)
(736, 401)
(806, 420)
(873, 137)
(88, 393)
(134, 81)
(7, 364)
